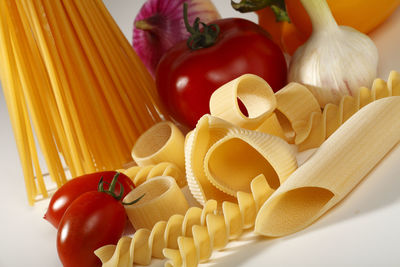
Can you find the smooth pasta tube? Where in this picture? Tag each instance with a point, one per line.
(334, 170)
(203, 229)
(163, 142)
(140, 174)
(310, 126)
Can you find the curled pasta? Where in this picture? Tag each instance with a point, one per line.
(140, 174)
(201, 230)
(311, 126)
(255, 94)
(221, 159)
(217, 229)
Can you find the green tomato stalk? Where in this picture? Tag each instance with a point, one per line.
(199, 38)
(111, 190)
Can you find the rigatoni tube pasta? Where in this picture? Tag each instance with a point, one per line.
(336, 60)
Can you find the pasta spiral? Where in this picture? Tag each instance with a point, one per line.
(192, 237)
(140, 174)
(311, 126)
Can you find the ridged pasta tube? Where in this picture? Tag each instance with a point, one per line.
(299, 112)
(162, 199)
(140, 174)
(205, 228)
(255, 94)
(163, 142)
(221, 159)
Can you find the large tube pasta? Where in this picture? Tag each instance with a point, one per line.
(221, 159)
(333, 171)
(163, 142)
(255, 94)
(162, 199)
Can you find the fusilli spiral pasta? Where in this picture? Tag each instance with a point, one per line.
(191, 237)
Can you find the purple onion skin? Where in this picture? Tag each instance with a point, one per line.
(165, 27)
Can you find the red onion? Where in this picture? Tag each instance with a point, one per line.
(159, 25)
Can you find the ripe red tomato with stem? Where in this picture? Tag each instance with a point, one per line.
(74, 188)
(191, 71)
(94, 219)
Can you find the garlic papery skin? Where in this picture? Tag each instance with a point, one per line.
(336, 60)
(159, 25)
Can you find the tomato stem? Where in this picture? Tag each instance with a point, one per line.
(134, 201)
(111, 189)
(199, 39)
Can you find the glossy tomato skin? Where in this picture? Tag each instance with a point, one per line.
(74, 188)
(186, 78)
(92, 220)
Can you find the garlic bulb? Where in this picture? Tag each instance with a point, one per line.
(336, 60)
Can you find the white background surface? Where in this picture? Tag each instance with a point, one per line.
(363, 230)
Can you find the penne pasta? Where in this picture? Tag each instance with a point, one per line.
(333, 171)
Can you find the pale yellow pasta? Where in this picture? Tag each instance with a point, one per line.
(163, 142)
(310, 126)
(231, 163)
(255, 94)
(334, 170)
(140, 174)
(271, 125)
(295, 103)
(205, 227)
(219, 228)
(161, 199)
(221, 159)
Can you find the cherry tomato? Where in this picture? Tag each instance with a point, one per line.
(186, 78)
(71, 190)
(92, 220)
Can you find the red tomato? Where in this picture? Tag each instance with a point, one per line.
(92, 220)
(186, 78)
(66, 194)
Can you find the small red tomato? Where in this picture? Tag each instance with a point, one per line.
(92, 220)
(74, 188)
(186, 78)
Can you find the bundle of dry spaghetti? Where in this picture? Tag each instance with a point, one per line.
(75, 90)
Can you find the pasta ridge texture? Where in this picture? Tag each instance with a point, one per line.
(313, 126)
(140, 174)
(216, 150)
(201, 230)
